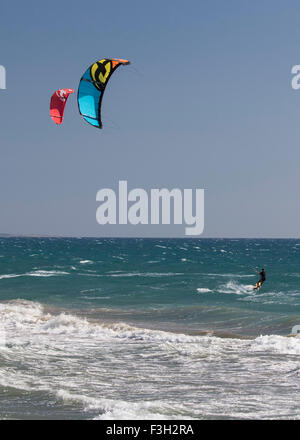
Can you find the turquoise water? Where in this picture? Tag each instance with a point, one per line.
(148, 328)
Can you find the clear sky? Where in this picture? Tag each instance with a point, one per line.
(206, 103)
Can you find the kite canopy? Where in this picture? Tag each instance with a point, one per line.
(91, 88)
(58, 103)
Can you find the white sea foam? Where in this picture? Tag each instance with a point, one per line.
(110, 409)
(276, 344)
(87, 365)
(46, 273)
(13, 275)
(203, 290)
(98, 289)
(233, 287)
(145, 274)
(68, 324)
(19, 312)
(229, 275)
(14, 379)
(31, 316)
(35, 273)
(85, 262)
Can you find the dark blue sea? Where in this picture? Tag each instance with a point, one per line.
(94, 328)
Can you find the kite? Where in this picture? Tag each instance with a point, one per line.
(58, 103)
(91, 88)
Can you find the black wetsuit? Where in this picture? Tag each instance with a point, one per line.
(262, 276)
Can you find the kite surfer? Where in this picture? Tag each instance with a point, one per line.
(261, 280)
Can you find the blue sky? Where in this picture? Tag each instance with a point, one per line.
(206, 103)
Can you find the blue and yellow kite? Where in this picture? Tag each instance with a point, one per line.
(91, 88)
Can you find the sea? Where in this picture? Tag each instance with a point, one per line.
(149, 329)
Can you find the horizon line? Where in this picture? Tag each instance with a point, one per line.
(8, 235)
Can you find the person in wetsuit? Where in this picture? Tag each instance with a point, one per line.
(261, 280)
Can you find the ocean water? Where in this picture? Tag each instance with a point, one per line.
(148, 329)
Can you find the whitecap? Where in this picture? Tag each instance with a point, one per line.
(3, 277)
(276, 344)
(203, 290)
(46, 273)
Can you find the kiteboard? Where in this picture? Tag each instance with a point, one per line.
(257, 286)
